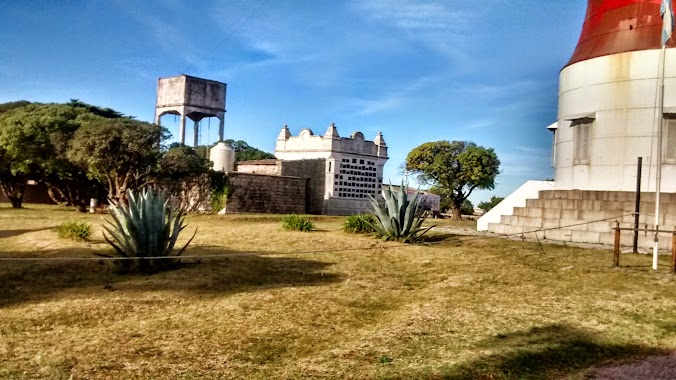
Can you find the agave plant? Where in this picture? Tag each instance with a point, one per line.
(399, 218)
(145, 230)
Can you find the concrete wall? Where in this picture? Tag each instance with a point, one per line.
(342, 206)
(260, 193)
(620, 93)
(260, 169)
(315, 171)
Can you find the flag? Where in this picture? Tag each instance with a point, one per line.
(667, 20)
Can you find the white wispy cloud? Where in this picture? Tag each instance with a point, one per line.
(437, 25)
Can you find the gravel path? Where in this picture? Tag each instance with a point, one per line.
(652, 367)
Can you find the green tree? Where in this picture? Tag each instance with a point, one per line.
(455, 169)
(245, 152)
(488, 205)
(33, 138)
(121, 153)
(182, 162)
(467, 208)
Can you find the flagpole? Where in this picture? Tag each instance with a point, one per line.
(658, 176)
(667, 13)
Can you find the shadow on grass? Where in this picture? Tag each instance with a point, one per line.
(12, 233)
(443, 239)
(237, 272)
(547, 352)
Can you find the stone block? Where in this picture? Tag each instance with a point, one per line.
(551, 222)
(570, 224)
(534, 212)
(560, 235)
(570, 214)
(603, 227)
(551, 213)
(588, 215)
(586, 237)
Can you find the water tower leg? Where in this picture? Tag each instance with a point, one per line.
(196, 135)
(221, 128)
(181, 131)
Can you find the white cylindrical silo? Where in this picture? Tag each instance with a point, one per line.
(222, 157)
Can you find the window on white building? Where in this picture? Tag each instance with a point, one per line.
(669, 127)
(582, 129)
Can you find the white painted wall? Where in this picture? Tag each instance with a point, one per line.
(620, 91)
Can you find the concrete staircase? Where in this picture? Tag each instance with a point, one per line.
(585, 216)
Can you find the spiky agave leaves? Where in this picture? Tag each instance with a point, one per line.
(398, 219)
(146, 228)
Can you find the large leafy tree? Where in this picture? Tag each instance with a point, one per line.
(455, 169)
(34, 139)
(121, 153)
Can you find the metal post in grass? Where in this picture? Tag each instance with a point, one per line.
(616, 252)
(673, 251)
(637, 206)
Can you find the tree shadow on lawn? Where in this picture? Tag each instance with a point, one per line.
(31, 281)
(552, 351)
(12, 233)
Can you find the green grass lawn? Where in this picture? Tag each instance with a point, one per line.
(325, 304)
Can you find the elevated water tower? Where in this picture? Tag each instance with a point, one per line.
(191, 97)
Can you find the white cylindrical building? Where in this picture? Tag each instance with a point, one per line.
(609, 100)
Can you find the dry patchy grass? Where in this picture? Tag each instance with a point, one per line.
(326, 304)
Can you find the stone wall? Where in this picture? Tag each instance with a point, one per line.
(315, 172)
(261, 193)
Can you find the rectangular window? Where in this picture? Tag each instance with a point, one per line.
(582, 139)
(670, 137)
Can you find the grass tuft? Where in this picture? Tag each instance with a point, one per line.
(297, 223)
(74, 230)
(360, 224)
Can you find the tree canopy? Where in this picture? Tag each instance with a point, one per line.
(488, 205)
(454, 169)
(245, 152)
(121, 153)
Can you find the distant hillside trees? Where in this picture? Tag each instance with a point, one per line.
(245, 152)
(454, 169)
(488, 205)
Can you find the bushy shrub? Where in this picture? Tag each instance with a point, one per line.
(297, 223)
(145, 229)
(74, 230)
(360, 224)
(399, 218)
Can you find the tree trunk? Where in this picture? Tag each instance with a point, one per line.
(455, 211)
(14, 191)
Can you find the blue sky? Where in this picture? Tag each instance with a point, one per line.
(484, 71)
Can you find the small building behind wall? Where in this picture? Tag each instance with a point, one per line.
(342, 170)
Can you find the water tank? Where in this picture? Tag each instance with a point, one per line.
(619, 26)
(223, 157)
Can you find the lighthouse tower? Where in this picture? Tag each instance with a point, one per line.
(609, 115)
(609, 101)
